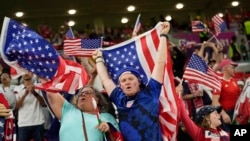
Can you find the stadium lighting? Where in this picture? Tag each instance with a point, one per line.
(19, 14)
(131, 8)
(235, 3)
(179, 5)
(124, 20)
(71, 23)
(72, 11)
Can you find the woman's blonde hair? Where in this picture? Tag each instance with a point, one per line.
(205, 123)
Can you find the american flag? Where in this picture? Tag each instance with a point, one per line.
(81, 47)
(6, 125)
(69, 34)
(26, 51)
(219, 24)
(197, 71)
(140, 53)
(137, 25)
(198, 26)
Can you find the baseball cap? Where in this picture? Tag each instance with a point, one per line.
(205, 110)
(226, 62)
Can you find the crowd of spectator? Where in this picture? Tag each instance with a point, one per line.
(27, 96)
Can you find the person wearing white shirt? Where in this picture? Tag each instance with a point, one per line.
(30, 115)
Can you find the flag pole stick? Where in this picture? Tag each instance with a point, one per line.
(212, 36)
(73, 36)
(136, 23)
(98, 116)
(101, 42)
(71, 31)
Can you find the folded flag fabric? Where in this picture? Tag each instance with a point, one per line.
(117, 136)
(241, 111)
(7, 128)
(26, 51)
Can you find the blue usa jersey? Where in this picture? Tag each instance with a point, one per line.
(139, 116)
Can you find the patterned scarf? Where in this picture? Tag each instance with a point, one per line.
(6, 124)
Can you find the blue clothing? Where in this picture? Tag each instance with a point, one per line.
(140, 122)
(224, 125)
(72, 126)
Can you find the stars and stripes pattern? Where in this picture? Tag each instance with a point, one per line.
(26, 51)
(219, 24)
(198, 26)
(140, 52)
(197, 71)
(81, 47)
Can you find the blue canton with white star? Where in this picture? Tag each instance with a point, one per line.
(30, 50)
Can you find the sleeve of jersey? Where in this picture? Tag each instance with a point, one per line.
(192, 129)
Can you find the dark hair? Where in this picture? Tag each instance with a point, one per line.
(211, 61)
(102, 103)
(6, 70)
(111, 107)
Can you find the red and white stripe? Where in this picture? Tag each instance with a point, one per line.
(70, 77)
(147, 46)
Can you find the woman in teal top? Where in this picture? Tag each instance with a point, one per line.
(79, 121)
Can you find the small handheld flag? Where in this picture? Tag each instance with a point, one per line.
(137, 25)
(97, 114)
(69, 34)
(198, 26)
(219, 24)
(81, 47)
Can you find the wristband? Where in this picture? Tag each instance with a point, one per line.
(219, 51)
(99, 62)
(164, 35)
(100, 59)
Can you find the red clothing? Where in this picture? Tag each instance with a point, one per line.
(230, 92)
(198, 133)
(7, 131)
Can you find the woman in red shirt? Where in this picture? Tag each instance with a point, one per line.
(207, 127)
